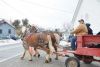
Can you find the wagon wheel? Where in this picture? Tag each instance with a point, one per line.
(72, 62)
(87, 59)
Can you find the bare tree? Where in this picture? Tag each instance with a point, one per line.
(25, 22)
(17, 26)
(16, 23)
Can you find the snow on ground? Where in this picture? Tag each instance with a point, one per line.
(64, 43)
(9, 42)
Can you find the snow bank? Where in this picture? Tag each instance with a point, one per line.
(9, 42)
(64, 44)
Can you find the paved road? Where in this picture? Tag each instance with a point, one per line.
(10, 57)
(16, 62)
(10, 51)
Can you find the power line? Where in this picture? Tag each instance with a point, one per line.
(21, 13)
(7, 4)
(40, 5)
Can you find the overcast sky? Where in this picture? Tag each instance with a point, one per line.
(45, 13)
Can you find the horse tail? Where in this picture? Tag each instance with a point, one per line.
(50, 44)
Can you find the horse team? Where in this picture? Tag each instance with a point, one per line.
(47, 41)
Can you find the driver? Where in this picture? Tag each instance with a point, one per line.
(80, 30)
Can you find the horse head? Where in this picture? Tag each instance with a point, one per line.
(26, 30)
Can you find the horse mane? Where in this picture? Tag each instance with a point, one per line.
(29, 30)
(33, 29)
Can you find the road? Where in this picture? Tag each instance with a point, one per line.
(10, 57)
(10, 51)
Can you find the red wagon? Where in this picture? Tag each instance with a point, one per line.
(86, 50)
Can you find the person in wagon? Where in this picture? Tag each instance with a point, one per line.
(98, 33)
(90, 31)
(81, 29)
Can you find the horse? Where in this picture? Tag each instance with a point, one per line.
(41, 40)
(55, 38)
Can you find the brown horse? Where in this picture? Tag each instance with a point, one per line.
(44, 41)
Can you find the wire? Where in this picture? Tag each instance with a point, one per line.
(7, 4)
(29, 2)
(40, 5)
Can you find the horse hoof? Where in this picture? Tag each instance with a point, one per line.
(46, 61)
(21, 58)
(50, 59)
(30, 60)
(38, 55)
(34, 55)
(56, 58)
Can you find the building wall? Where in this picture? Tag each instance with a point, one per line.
(90, 12)
(5, 27)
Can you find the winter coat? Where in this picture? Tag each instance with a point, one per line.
(90, 31)
(80, 30)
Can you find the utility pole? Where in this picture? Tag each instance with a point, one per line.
(76, 12)
(74, 16)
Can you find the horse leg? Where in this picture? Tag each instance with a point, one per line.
(36, 52)
(23, 54)
(48, 56)
(30, 59)
(49, 49)
(55, 47)
(33, 51)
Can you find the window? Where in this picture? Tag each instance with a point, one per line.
(9, 31)
(0, 31)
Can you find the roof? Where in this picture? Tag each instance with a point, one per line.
(4, 21)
